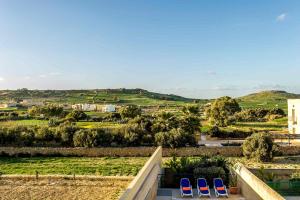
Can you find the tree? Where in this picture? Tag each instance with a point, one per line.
(221, 111)
(190, 124)
(77, 115)
(130, 111)
(190, 110)
(174, 138)
(85, 138)
(50, 110)
(259, 146)
(66, 132)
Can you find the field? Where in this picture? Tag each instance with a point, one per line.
(107, 166)
(26, 189)
(32, 122)
(288, 162)
(100, 96)
(82, 124)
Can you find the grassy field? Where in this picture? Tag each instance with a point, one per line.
(275, 125)
(107, 166)
(100, 96)
(25, 189)
(32, 122)
(288, 162)
(99, 124)
(284, 162)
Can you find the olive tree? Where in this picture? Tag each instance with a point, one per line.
(221, 111)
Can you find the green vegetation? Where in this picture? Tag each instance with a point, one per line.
(267, 99)
(107, 166)
(221, 111)
(100, 96)
(260, 147)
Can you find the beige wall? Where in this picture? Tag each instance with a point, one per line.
(252, 187)
(144, 186)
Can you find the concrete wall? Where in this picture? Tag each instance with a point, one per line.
(294, 123)
(252, 187)
(144, 186)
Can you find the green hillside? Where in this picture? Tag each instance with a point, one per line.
(267, 99)
(116, 96)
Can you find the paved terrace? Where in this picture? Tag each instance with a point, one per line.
(174, 194)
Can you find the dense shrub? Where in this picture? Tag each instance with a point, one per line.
(259, 115)
(104, 137)
(85, 138)
(221, 111)
(77, 115)
(66, 132)
(225, 133)
(204, 166)
(47, 111)
(174, 138)
(260, 147)
(209, 173)
(130, 111)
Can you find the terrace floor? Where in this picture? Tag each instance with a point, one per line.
(174, 194)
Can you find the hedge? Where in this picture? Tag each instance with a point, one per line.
(228, 151)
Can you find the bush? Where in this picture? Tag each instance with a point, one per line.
(221, 111)
(66, 132)
(44, 134)
(215, 131)
(77, 115)
(209, 173)
(259, 115)
(104, 137)
(174, 138)
(85, 138)
(130, 111)
(260, 147)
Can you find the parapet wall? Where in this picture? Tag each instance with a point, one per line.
(144, 185)
(252, 187)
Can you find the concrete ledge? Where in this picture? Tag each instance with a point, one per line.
(144, 185)
(252, 187)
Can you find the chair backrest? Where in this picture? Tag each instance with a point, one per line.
(185, 182)
(201, 182)
(218, 182)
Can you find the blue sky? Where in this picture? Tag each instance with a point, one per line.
(194, 48)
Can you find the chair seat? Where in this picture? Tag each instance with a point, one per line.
(204, 191)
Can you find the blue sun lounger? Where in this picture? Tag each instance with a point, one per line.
(220, 188)
(186, 187)
(202, 187)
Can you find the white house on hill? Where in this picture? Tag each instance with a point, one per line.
(109, 108)
(294, 116)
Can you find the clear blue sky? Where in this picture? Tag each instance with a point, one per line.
(194, 48)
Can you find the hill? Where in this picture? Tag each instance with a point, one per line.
(116, 96)
(267, 99)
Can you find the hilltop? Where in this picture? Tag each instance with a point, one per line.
(267, 99)
(116, 96)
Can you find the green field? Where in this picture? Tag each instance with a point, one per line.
(267, 99)
(99, 96)
(99, 124)
(107, 166)
(32, 122)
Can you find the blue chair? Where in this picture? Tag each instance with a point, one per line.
(186, 187)
(220, 188)
(202, 187)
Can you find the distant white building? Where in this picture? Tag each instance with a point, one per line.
(31, 102)
(294, 116)
(8, 105)
(94, 107)
(85, 107)
(109, 108)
